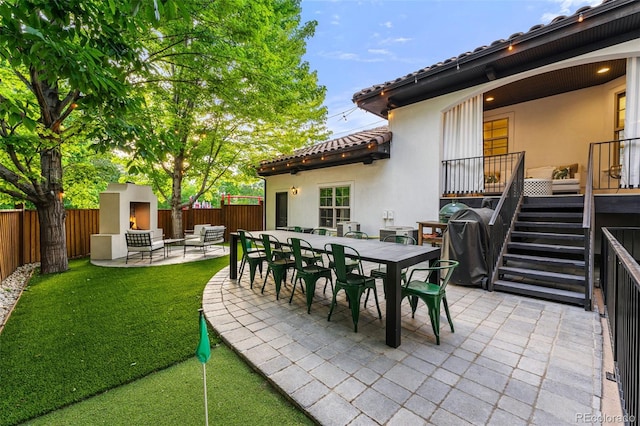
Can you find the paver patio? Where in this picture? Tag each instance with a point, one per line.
(511, 360)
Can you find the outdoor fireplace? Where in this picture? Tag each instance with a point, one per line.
(139, 215)
(123, 206)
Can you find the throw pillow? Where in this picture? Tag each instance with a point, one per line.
(492, 177)
(561, 173)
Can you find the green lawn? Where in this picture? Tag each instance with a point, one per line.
(76, 335)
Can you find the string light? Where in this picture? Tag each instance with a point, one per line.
(510, 46)
(580, 17)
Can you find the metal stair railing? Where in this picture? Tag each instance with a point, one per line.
(501, 223)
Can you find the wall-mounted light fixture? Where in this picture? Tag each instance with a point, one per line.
(294, 190)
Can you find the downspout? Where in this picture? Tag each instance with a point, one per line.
(264, 204)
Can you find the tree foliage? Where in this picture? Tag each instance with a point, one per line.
(222, 88)
(60, 59)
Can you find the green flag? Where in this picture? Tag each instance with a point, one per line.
(203, 351)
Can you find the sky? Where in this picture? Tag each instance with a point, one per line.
(361, 43)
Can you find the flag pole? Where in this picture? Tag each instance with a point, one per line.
(206, 406)
(203, 352)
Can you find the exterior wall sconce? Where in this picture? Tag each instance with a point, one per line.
(294, 190)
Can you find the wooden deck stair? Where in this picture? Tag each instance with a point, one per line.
(545, 255)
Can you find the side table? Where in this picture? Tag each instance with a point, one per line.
(537, 187)
(435, 236)
(170, 242)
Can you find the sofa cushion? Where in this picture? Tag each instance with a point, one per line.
(544, 172)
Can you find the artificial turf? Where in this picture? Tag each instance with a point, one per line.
(91, 329)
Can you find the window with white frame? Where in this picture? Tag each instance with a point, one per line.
(335, 205)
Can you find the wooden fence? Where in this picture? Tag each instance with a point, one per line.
(20, 230)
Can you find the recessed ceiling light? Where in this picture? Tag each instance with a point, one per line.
(489, 98)
(603, 70)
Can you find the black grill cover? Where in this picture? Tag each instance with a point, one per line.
(466, 240)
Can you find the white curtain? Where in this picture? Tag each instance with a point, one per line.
(463, 140)
(630, 151)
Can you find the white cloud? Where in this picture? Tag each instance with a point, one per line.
(379, 51)
(335, 20)
(347, 56)
(393, 40)
(387, 24)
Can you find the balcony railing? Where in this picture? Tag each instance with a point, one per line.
(477, 175)
(620, 282)
(616, 164)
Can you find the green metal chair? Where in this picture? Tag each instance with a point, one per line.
(353, 284)
(251, 254)
(319, 231)
(351, 263)
(276, 264)
(310, 274)
(433, 294)
(359, 235)
(381, 270)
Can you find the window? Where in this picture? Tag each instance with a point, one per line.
(335, 205)
(621, 107)
(495, 137)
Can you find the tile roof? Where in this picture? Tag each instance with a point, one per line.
(368, 141)
(379, 135)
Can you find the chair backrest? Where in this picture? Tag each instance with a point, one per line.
(319, 231)
(400, 239)
(297, 229)
(270, 242)
(138, 239)
(297, 245)
(199, 228)
(246, 241)
(444, 267)
(213, 233)
(339, 253)
(357, 234)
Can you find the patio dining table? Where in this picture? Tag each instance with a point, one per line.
(396, 257)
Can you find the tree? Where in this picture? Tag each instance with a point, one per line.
(222, 87)
(65, 58)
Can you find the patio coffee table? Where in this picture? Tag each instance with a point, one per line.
(170, 242)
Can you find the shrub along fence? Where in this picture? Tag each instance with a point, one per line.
(20, 230)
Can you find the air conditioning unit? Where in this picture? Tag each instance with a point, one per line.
(344, 227)
(398, 230)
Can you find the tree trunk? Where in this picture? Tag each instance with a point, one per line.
(53, 242)
(51, 215)
(176, 197)
(176, 221)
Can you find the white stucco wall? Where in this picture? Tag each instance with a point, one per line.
(409, 182)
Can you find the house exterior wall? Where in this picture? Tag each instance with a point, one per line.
(552, 131)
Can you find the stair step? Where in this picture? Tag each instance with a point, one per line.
(557, 277)
(547, 225)
(565, 296)
(551, 261)
(552, 206)
(550, 214)
(549, 248)
(548, 235)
